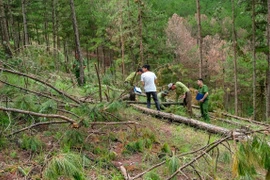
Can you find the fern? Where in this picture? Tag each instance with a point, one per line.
(69, 165)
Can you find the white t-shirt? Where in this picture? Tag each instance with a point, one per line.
(149, 81)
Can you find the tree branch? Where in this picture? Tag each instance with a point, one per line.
(37, 124)
(39, 114)
(41, 81)
(35, 92)
(216, 143)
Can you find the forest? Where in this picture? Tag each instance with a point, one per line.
(67, 110)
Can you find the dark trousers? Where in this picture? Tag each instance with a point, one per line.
(154, 95)
(187, 103)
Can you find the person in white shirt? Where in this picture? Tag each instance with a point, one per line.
(148, 79)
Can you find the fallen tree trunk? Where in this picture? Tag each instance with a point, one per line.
(237, 117)
(190, 122)
(163, 103)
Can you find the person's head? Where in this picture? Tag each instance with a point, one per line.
(139, 71)
(146, 67)
(171, 86)
(200, 82)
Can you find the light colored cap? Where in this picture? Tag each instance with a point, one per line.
(170, 85)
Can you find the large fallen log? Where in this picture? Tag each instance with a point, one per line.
(163, 103)
(237, 117)
(190, 122)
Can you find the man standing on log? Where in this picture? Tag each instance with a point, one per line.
(180, 88)
(148, 79)
(203, 90)
(129, 83)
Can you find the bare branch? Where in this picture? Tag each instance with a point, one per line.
(35, 92)
(37, 124)
(39, 114)
(41, 81)
(216, 143)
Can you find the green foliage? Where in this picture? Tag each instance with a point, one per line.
(49, 106)
(73, 138)
(138, 146)
(115, 106)
(31, 143)
(69, 165)
(26, 102)
(173, 164)
(250, 155)
(3, 142)
(152, 175)
(166, 148)
(216, 99)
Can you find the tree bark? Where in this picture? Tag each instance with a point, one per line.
(99, 84)
(140, 21)
(199, 38)
(234, 60)
(77, 41)
(190, 122)
(4, 29)
(25, 30)
(268, 67)
(254, 58)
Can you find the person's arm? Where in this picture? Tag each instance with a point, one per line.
(177, 96)
(142, 80)
(204, 97)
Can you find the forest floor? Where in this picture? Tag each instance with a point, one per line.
(135, 147)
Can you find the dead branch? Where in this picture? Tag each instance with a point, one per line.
(35, 92)
(39, 114)
(114, 123)
(196, 171)
(215, 144)
(41, 81)
(163, 162)
(37, 124)
(150, 169)
(68, 112)
(163, 103)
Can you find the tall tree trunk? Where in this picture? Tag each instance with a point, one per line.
(46, 34)
(140, 31)
(14, 32)
(199, 36)
(268, 67)
(254, 58)
(25, 30)
(4, 29)
(54, 29)
(77, 41)
(234, 60)
(122, 44)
